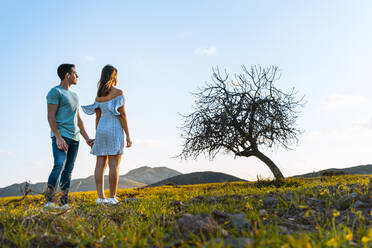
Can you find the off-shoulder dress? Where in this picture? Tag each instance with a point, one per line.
(109, 138)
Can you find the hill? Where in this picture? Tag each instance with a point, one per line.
(148, 175)
(77, 185)
(138, 177)
(355, 170)
(198, 178)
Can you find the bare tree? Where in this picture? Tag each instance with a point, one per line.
(241, 115)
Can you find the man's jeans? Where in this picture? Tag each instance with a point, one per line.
(63, 163)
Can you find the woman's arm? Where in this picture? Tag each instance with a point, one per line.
(83, 132)
(124, 124)
(98, 116)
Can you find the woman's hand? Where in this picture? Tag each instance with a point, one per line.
(129, 142)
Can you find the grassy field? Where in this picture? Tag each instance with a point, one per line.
(332, 211)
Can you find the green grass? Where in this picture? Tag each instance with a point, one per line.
(313, 212)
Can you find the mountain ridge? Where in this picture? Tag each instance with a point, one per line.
(134, 179)
(359, 169)
(198, 177)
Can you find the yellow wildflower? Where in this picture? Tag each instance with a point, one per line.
(365, 240)
(349, 236)
(332, 242)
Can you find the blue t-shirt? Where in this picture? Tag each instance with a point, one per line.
(66, 115)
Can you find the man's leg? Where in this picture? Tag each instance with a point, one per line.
(73, 147)
(59, 161)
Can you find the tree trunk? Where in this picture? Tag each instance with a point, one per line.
(274, 169)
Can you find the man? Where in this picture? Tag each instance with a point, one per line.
(66, 125)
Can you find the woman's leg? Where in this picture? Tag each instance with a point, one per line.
(99, 174)
(114, 162)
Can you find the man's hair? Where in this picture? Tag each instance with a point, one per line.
(63, 69)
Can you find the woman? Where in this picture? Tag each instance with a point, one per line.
(111, 120)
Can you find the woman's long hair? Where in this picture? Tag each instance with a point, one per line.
(108, 78)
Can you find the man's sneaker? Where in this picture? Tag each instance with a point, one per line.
(101, 201)
(65, 207)
(50, 205)
(112, 201)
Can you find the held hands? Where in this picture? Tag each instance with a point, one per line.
(129, 142)
(90, 142)
(61, 144)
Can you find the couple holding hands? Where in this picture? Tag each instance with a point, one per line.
(66, 127)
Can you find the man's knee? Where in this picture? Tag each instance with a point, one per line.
(58, 165)
(67, 170)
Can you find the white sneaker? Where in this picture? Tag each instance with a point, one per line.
(50, 205)
(113, 201)
(101, 201)
(65, 207)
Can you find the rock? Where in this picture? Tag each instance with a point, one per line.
(177, 205)
(203, 199)
(342, 204)
(238, 220)
(290, 196)
(354, 195)
(195, 224)
(300, 227)
(233, 242)
(197, 199)
(314, 202)
(262, 212)
(360, 204)
(219, 216)
(215, 199)
(270, 201)
(283, 229)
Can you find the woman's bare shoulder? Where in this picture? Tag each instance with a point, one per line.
(114, 92)
(117, 92)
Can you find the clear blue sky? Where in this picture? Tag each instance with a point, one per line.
(164, 50)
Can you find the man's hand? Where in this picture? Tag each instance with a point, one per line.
(129, 142)
(61, 144)
(90, 142)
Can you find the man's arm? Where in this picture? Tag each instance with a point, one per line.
(52, 110)
(83, 132)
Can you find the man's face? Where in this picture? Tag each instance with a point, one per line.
(73, 76)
